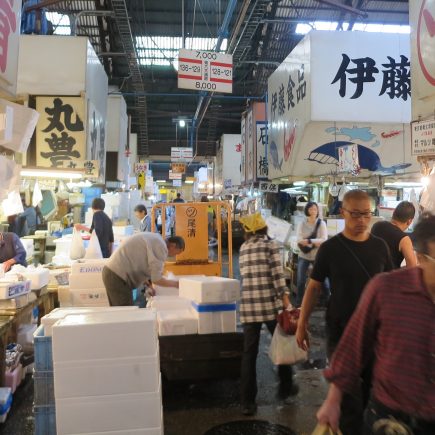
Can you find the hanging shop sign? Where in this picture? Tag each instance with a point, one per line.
(243, 151)
(175, 176)
(228, 184)
(177, 183)
(181, 154)
(141, 167)
(250, 152)
(10, 20)
(96, 141)
(348, 160)
(423, 138)
(268, 187)
(205, 71)
(178, 168)
(60, 132)
(261, 140)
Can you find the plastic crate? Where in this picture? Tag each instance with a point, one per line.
(45, 420)
(43, 388)
(43, 351)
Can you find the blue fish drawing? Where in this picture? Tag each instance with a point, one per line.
(368, 159)
(277, 164)
(331, 130)
(357, 133)
(376, 144)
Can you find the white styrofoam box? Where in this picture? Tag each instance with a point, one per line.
(28, 246)
(210, 289)
(60, 313)
(63, 246)
(14, 303)
(39, 277)
(62, 260)
(106, 377)
(86, 280)
(169, 303)
(166, 291)
(215, 318)
(105, 335)
(10, 290)
(124, 230)
(123, 412)
(85, 297)
(64, 296)
(88, 266)
(177, 322)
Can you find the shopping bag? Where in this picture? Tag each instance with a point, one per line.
(77, 249)
(94, 248)
(324, 429)
(284, 348)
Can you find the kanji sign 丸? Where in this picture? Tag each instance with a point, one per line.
(205, 71)
(60, 132)
(269, 187)
(423, 138)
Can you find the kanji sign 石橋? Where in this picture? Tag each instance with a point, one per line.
(205, 71)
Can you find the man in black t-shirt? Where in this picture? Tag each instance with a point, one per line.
(102, 225)
(393, 233)
(348, 260)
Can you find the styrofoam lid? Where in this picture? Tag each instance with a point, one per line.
(107, 317)
(60, 313)
(208, 279)
(176, 314)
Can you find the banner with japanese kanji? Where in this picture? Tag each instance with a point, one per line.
(10, 20)
(96, 139)
(60, 132)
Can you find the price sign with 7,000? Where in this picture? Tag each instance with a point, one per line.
(205, 71)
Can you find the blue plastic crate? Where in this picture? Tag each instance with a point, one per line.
(43, 384)
(45, 420)
(43, 351)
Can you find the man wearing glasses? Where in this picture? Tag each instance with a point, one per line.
(349, 259)
(394, 323)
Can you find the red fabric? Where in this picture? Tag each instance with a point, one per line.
(393, 326)
(288, 320)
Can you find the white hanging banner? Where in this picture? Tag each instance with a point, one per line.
(348, 159)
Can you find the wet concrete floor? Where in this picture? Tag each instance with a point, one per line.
(196, 408)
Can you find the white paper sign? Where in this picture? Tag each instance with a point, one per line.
(348, 159)
(181, 154)
(141, 167)
(205, 71)
(423, 138)
(268, 187)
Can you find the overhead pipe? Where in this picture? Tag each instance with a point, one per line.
(75, 18)
(223, 33)
(167, 94)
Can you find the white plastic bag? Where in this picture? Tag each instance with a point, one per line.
(94, 249)
(284, 349)
(77, 250)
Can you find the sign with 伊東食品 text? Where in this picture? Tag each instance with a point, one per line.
(60, 132)
(423, 138)
(205, 71)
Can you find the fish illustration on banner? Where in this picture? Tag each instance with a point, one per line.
(368, 159)
(274, 156)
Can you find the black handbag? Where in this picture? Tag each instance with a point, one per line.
(306, 249)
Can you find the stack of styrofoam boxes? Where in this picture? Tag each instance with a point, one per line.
(14, 294)
(38, 276)
(175, 315)
(214, 302)
(86, 285)
(172, 291)
(107, 374)
(44, 400)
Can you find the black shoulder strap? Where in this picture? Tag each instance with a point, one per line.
(313, 235)
(340, 238)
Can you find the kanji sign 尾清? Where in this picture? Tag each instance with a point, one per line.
(205, 71)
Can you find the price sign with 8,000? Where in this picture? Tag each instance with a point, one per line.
(205, 71)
